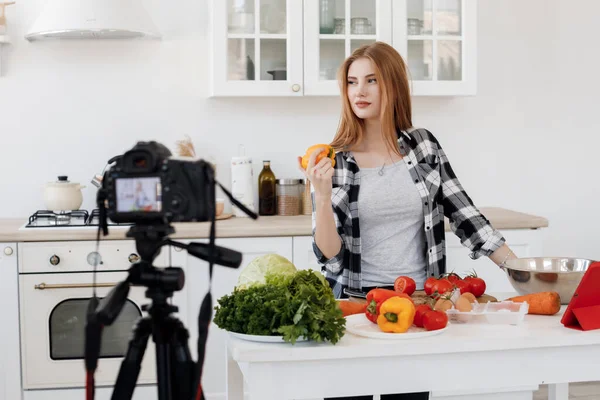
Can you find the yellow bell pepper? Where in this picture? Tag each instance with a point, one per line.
(396, 315)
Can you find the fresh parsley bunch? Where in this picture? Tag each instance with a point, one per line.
(297, 305)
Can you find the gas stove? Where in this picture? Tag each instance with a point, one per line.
(67, 219)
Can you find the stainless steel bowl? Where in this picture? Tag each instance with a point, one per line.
(547, 274)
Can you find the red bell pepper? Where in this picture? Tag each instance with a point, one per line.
(376, 297)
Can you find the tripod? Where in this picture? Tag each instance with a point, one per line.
(178, 375)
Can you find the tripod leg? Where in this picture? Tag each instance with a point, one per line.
(131, 365)
(182, 363)
(163, 370)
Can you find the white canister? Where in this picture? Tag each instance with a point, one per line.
(242, 184)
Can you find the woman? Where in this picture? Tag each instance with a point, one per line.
(379, 213)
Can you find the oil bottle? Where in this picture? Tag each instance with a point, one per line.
(267, 199)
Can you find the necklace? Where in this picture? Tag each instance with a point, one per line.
(380, 172)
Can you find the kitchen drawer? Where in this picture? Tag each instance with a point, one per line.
(35, 257)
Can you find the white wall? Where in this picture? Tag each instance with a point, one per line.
(527, 141)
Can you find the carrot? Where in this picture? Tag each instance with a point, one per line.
(351, 307)
(541, 303)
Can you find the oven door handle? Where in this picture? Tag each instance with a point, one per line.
(44, 286)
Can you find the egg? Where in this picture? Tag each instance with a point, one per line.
(469, 296)
(463, 304)
(442, 305)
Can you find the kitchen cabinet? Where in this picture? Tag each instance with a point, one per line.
(10, 371)
(354, 22)
(294, 48)
(438, 40)
(256, 48)
(224, 280)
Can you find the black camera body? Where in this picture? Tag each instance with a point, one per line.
(147, 185)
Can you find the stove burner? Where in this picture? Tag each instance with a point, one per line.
(61, 218)
(75, 218)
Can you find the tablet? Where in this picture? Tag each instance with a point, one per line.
(583, 311)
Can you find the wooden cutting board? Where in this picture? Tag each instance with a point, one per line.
(419, 297)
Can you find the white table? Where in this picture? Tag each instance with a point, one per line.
(467, 362)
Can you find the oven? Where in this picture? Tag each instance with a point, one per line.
(55, 285)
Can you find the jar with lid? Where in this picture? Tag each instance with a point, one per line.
(289, 196)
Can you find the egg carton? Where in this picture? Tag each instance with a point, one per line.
(499, 313)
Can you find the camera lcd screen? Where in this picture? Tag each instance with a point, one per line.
(139, 194)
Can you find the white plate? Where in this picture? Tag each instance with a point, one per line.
(358, 324)
(264, 338)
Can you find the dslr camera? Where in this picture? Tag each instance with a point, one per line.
(147, 185)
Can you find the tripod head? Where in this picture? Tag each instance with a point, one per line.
(161, 283)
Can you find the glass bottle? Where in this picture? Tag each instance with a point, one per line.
(266, 190)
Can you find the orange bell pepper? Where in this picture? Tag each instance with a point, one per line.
(328, 152)
(396, 315)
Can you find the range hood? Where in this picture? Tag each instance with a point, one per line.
(93, 19)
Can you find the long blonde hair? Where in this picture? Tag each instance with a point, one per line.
(391, 74)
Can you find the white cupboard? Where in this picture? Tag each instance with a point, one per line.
(10, 371)
(438, 40)
(294, 47)
(256, 47)
(353, 23)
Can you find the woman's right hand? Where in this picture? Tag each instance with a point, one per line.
(320, 175)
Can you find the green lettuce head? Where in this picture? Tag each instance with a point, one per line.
(256, 271)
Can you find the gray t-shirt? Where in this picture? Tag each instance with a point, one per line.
(391, 226)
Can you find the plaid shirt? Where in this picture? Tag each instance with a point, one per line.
(441, 194)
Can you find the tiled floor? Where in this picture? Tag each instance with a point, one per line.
(577, 391)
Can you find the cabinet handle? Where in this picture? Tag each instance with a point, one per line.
(8, 251)
(296, 87)
(44, 286)
(133, 258)
(54, 260)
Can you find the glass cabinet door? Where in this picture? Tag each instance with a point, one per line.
(437, 41)
(257, 47)
(333, 29)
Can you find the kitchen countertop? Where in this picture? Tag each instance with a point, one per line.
(464, 360)
(536, 331)
(10, 229)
